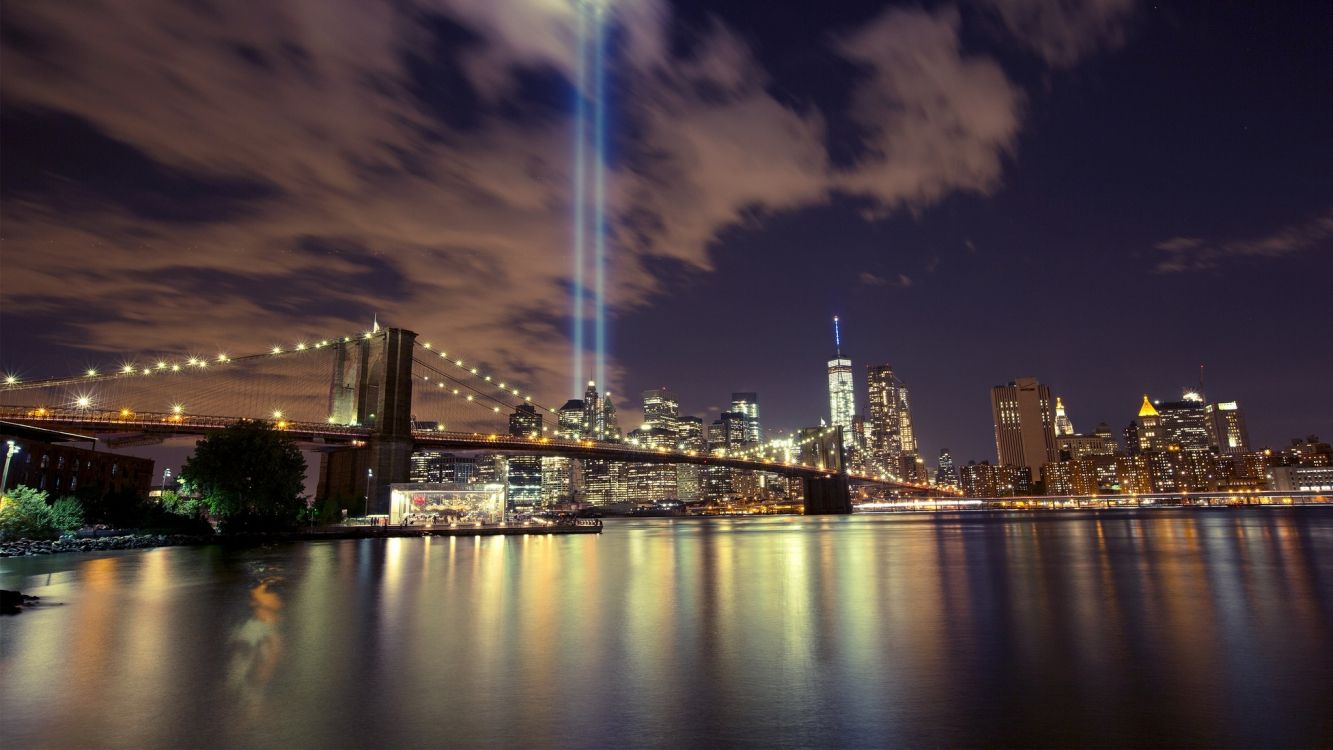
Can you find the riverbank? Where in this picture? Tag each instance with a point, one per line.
(36, 547)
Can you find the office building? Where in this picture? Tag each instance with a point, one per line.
(570, 420)
(661, 409)
(890, 417)
(525, 421)
(947, 474)
(747, 403)
(1024, 416)
(1186, 424)
(1229, 427)
(841, 390)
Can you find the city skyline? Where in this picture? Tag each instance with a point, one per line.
(1107, 219)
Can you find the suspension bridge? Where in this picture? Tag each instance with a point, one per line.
(364, 401)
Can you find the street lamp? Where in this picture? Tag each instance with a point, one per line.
(9, 455)
(370, 475)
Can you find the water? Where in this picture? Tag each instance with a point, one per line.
(1168, 628)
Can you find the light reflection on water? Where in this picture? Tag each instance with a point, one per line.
(1176, 627)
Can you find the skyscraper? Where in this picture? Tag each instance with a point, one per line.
(1229, 427)
(1147, 434)
(1063, 425)
(841, 389)
(891, 434)
(1024, 418)
(525, 421)
(748, 404)
(571, 420)
(661, 409)
(948, 473)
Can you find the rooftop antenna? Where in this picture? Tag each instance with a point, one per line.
(837, 338)
(375, 323)
(1200, 378)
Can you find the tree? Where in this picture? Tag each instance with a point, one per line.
(250, 477)
(26, 514)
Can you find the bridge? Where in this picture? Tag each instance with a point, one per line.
(361, 401)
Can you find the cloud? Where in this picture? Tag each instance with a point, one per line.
(1196, 254)
(1063, 32)
(387, 172)
(869, 279)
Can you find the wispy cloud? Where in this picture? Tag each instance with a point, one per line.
(1197, 254)
(1062, 32)
(379, 195)
(870, 279)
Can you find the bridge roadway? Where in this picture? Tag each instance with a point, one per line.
(136, 424)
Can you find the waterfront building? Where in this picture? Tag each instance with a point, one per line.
(524, 482)
(605, 482)
(1072, 477)
(62, 469)
(979, 479)
(747, 403)
(841, 390)
(1133, 474)
(1308, 452)
(1080, 446)
(1024, 417)
(1301, 478)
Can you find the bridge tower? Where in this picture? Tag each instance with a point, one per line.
(371, 386)
(830, 495)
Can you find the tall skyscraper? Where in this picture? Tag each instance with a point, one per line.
(1024, 416)
(1229, 427)
(748, 404)
(599, 415)
(1063, 424)
(890, 417)
(1147, 434)
(661, 409)
(841, 389)
(1186, 424)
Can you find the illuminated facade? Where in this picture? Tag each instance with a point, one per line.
(446, 503)
(1229, 427)
(841, 390)
(571, 420)
(1024, 416)
(890, 418)
(1186, 424)
(525, 421)
(947, 474)
(1063, 424)
(661, 409)
(748, 404)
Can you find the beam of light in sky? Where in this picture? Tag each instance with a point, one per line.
(599, 190)
(580, 198)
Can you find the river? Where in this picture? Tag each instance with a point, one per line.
(1184, 627)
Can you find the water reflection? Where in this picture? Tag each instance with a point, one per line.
(1188, 628)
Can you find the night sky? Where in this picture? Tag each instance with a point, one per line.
(1103, 195)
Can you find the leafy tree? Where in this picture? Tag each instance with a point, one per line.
(26, 514)
(250, 477)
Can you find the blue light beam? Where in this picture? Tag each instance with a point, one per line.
(580, 193)
(599, 193)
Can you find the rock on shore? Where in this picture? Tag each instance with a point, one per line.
(33, 547)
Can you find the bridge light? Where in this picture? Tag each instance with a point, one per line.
(427, 344)
(474, 371)
(161, 365)
(487, 378)
(458, 362)
(277, 414)
(496, 410)
(368, 334)
(11, 379)
(300, 346)
(127, 369)
(277, 350)
(222, 358)
(178, 409)
(83, 402)
(92, 373)
(175, 368)
(456, 392)
(502, 385)
(126, 413)
(332, 420)
(282, 424)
